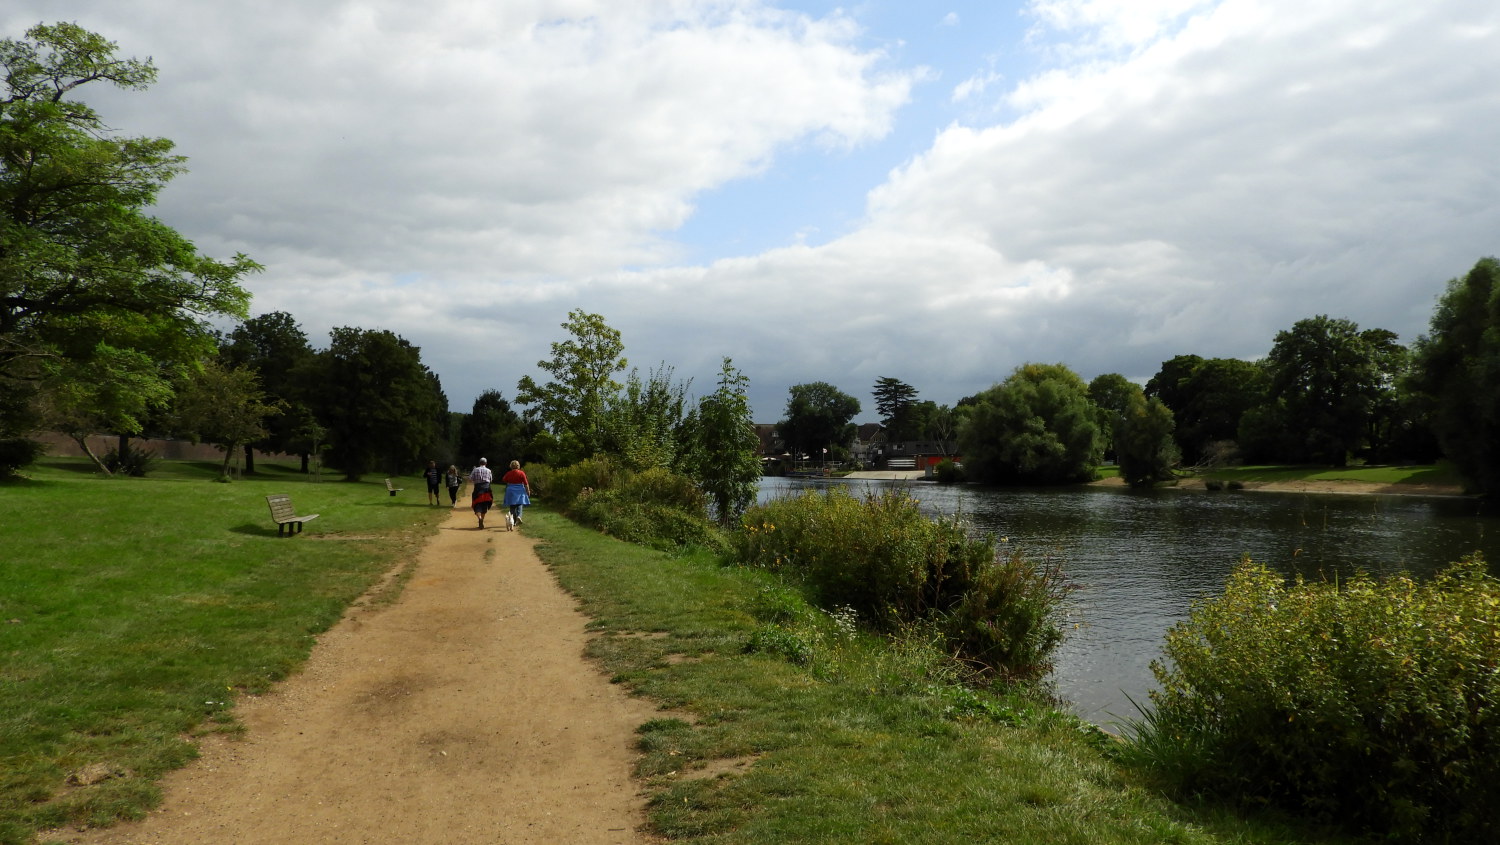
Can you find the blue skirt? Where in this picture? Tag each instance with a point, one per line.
(515, 494)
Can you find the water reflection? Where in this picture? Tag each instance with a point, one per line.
(1140, 558)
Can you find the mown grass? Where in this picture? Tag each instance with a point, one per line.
(133, 611)
(1440, 474)
(841, 736)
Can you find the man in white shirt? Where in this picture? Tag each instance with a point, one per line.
(479, 496)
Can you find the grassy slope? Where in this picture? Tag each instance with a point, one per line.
(751, 748)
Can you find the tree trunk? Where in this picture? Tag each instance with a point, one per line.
(83, 443)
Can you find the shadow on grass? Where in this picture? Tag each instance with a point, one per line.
(254, 530)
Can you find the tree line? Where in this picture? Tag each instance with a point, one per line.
(1327, 393)
(106, 315)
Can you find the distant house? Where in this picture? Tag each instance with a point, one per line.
(867, 440)
(769, 444)
(916, 454)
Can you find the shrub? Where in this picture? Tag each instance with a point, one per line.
(562, 486)
(948, 472)
(894, 567)
(1008, 619)
(1374, 702)
(652, 524)
(17, 452)
(132, 461)
(655, 508)
(663, 487)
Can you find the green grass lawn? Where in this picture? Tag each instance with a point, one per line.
(1442, 474)
(133, 612)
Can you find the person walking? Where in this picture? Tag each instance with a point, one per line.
(480, 497)
(517, 494)
(454, 481)
(433, 477)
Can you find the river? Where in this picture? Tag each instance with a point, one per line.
(1140, 558)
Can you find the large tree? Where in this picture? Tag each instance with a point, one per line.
(725, 463)
(1143, 441)
(1457, 374)
(1209, 397)
(85, 271)
(277, 350)
(572, 403)
(493, 430)
(1324, 373)
(223, 405)
(379, 403)
(894, 401)
(1036, 427)
(817, 420)
(1111, 393)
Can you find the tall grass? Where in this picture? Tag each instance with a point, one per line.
(133, 611)
(653, 507)
(896, 568)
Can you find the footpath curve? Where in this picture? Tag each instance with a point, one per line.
(463, 712)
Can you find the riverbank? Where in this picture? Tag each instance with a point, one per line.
(1383, 481)
(1286, 485)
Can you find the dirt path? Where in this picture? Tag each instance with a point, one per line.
(462, 713)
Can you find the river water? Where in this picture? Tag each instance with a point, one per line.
(1140, 558)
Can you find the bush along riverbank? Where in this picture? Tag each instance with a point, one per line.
(1375, 703)
(829, 685)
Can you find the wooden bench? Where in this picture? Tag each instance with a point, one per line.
(284, 516)
(393, 488)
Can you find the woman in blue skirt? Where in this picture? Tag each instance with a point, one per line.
(517, 494)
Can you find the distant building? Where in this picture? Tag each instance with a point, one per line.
(915, 454)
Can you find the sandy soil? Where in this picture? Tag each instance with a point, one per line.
(464, 712)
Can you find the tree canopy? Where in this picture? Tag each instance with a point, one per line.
(572, 404)
(277, 350)
(87, 276)
(381, 406)
(817, 418)
(1456, 374)
(895, 402)
(1036, 427)
(493, 430)
(1324, 373)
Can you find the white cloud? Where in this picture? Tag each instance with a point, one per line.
(1185, 176)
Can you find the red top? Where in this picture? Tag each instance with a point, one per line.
(515, 476)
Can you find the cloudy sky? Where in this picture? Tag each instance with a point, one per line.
(936, 192)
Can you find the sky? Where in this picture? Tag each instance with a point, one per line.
(933, 192)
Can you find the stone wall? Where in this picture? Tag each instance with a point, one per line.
(61, 445)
